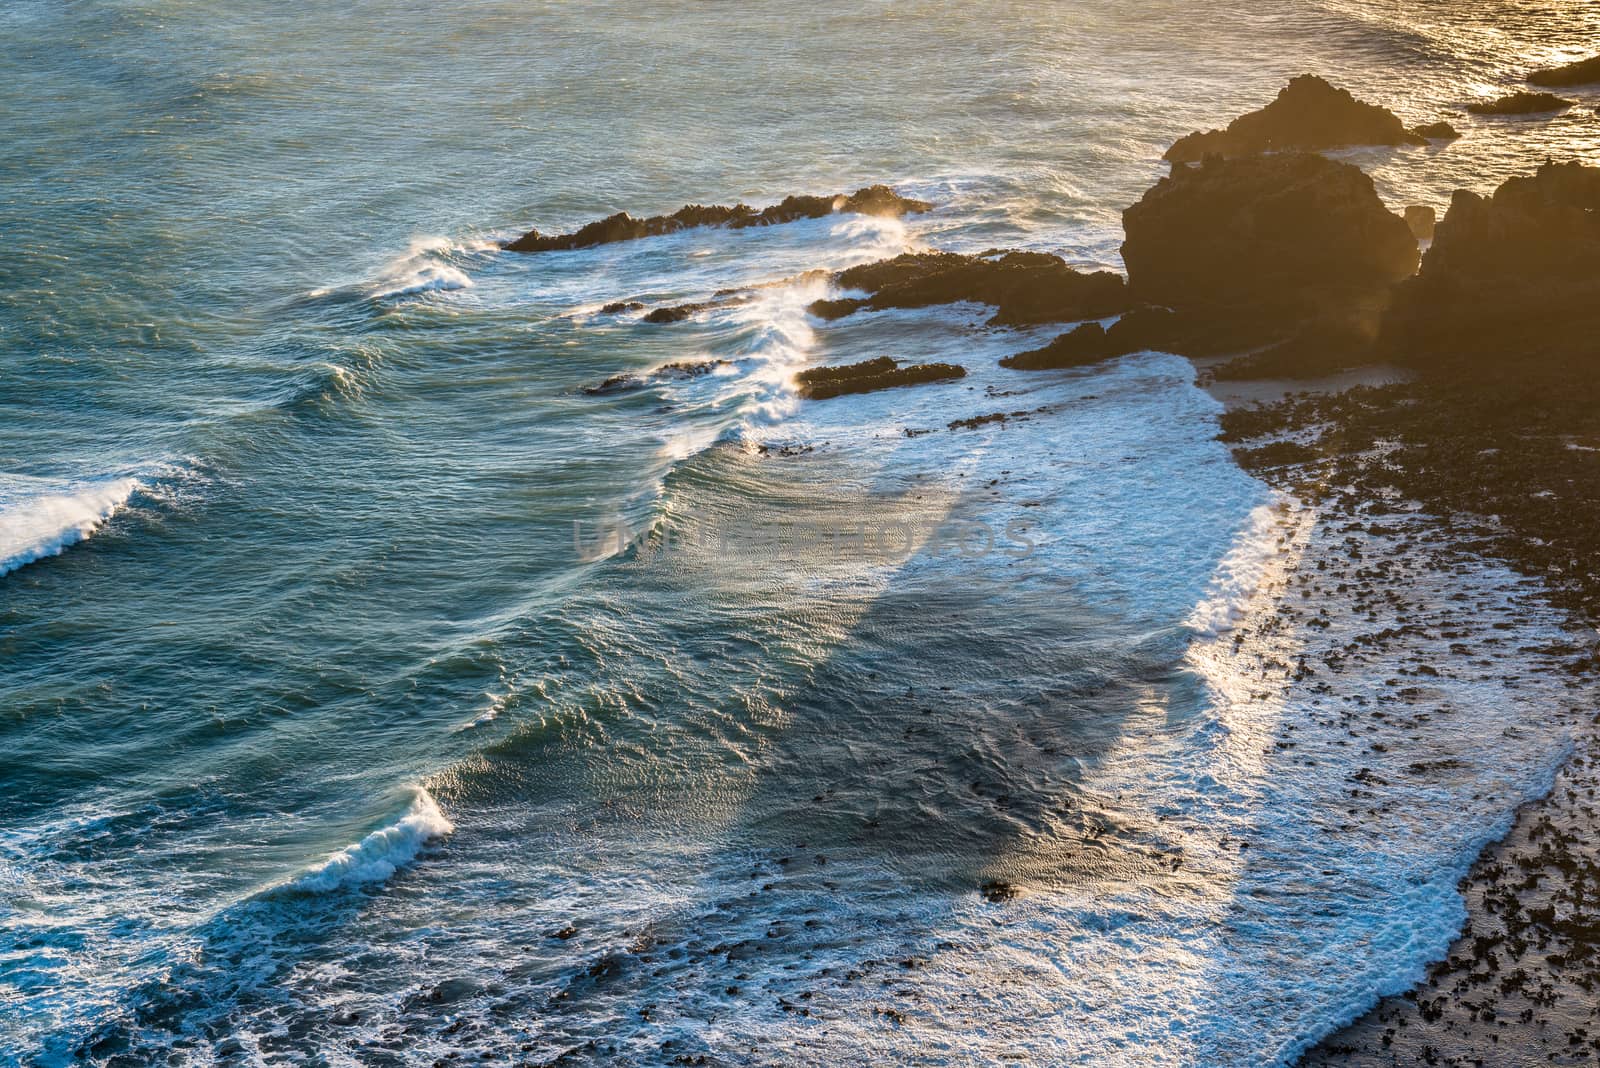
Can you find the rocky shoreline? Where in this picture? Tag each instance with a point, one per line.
(1265, 259)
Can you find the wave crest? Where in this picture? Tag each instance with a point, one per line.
(383, 852)
(35, 524)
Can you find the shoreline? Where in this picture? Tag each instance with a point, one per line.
(1518, 982)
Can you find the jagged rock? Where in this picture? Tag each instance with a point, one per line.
(616, 307)
(871, 200)
(1025, 287)
(1583, 72)
(820, 383)
(1511, 283)
(1437, 131)
(1246, 250)
(1140, 330)
(1422, 221)
(1309, 114)
(1521, 104)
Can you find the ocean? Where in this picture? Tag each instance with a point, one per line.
(372, 694)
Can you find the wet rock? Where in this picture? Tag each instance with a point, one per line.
(1142, 329)
(998, 891)
(821, 383)
(675, 313)
(1437, 131)
(1511, 283)
(617, 307)
(629, 381)
(1422, 220)
(1246, 251)
(1583, 72)
(1025, 288)
(1309, 114)
(1521, 104)
(871, 200)
(1318, 347)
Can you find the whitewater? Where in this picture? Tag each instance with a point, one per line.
(325, 741)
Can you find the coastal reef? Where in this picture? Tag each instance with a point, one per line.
(1520, 104)
(871, 200)
(1583, 72)
(1025, 288)
(821, 383)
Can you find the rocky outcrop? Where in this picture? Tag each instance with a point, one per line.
(1422, 220)
(1583, 72)
(1140, 330)
(1246, 251)
(872, 200)
(820, 383)
(1521, 104)
(1025, 288)
(1308, 115)
(1511, 284)
(1437, 131)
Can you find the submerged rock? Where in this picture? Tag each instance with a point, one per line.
(1308, 115)
(1024, 287)
(1521, 104)
(1247, 250)
(1511, 283)
(820, 383)
(871, 200)
(1583, 72)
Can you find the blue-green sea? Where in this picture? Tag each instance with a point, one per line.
(371, 694)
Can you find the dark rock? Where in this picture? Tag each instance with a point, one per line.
(628, 382)
(1583, 72)
(1025, 287)
(998, 891)
(618, 306)
(871, 200)
(1085, 345)
(1521, 104)
(1421, 219)
(1511, 283)
(675, 313)
(1317, 348)
(1247, 250)
(1437, 131)
(820, 383)
(1139, 330)
(1308, 115)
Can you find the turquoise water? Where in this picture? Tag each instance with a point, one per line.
(315, 720)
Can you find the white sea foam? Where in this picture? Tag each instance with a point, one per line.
(426, 266)
(380, 854)
(40, 519)
(1242, 572)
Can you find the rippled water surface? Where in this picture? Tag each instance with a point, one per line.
(326, 738)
